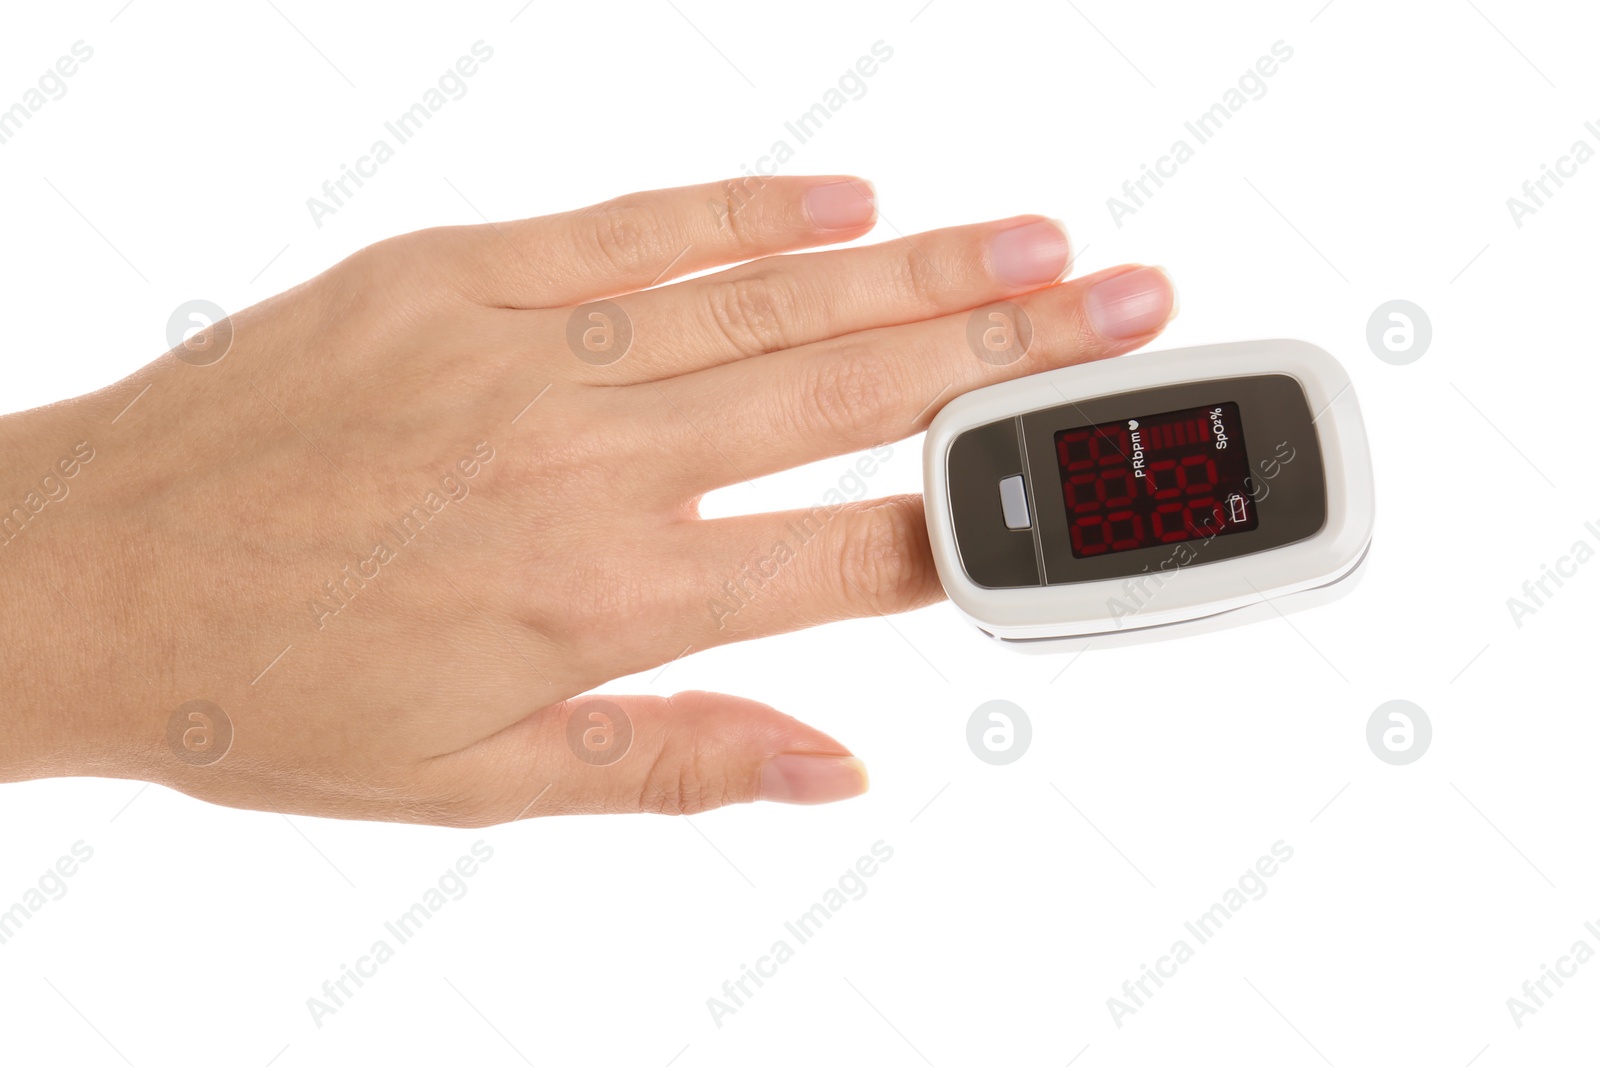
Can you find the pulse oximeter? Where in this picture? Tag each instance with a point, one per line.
(1150, 495)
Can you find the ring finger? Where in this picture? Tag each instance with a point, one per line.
(784, 302)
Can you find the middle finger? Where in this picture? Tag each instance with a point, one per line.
(783, 302)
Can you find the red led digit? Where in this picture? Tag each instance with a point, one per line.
(1099, 452)
(1124, 530)
(1083, 529)
(1083, 493)
(1111, 445)
(1116, 488)
(1166, 522)
(1186, 474)
(1074, 459)
(1194, 510)
(1179, 488)
(1163, 479)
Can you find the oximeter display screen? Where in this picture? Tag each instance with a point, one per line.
(1155, 480)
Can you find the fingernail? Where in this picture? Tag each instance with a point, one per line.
(1032, 254)
(798, 778)
(1131, 304)
(841, 205)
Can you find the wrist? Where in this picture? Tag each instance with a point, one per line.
(63, 691)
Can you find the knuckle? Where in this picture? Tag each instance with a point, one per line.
(627, 234)
(752, 312)
(850, 392)
(380, 261)
(681, 787)
(375, 278)
(729, 218)
(467, 809)
(885, 560)
(609, 600)
(436, 265)
(476, 818)
(922, 280)
(744, 228)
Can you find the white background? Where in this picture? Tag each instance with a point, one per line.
(1377, 166)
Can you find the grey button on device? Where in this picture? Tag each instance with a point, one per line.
(1014, 503)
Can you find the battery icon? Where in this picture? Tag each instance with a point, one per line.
(1236, 507)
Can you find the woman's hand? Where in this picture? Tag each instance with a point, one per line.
(357, 550)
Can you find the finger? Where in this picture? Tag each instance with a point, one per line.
(674, 755)
(787, 301)
(642, 239)
(775, 573)
(756, 417)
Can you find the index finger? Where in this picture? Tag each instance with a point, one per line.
(639, 240)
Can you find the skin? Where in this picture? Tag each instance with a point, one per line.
(439, 687)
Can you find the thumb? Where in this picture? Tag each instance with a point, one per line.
(675, 755)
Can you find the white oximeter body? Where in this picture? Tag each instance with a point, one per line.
(1150, 495)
